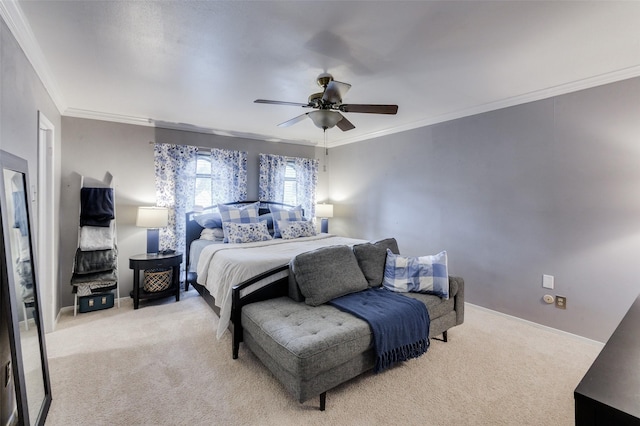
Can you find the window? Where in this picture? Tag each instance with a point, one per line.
(221, 177)
(290, 184)
(204, 183)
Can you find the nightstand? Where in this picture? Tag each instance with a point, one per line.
(142, 262)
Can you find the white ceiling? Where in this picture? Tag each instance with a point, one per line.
(201, 64)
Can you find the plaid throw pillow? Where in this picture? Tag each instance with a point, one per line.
(278, 214)
(244, 214)
(424, 274)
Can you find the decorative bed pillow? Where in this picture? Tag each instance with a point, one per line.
(246, 232)
(212, 234)
(424, 274)
(268, 218)
(372, 257)
(290, 230)
(279, 213)
(326, 273)
(233, 214)
(209, 220)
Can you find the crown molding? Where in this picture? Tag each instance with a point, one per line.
(185, 127)
(563, 89)
(105, 116)
(21, 30)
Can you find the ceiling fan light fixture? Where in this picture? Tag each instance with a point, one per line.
(325, 119)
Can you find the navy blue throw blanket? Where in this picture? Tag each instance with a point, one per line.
(400, 324)
(96, 206)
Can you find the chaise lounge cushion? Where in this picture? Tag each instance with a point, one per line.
(305, 340)
(326, 273)
(371, 259)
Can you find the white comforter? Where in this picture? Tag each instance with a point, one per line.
(221, 266)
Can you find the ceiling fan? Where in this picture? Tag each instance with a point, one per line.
(328, 106)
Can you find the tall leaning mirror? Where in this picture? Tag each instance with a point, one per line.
(26, 396)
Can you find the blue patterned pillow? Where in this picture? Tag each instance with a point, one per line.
(233, 214)
(424, 274)
(297, 229)
(246, 232)
(279, 213)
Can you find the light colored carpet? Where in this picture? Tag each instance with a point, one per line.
(161, 365)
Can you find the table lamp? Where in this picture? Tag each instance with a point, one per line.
(324, 211)
(152, 218)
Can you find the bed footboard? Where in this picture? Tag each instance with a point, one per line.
(272, 290)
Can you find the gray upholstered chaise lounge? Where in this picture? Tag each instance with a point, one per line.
(311, 349)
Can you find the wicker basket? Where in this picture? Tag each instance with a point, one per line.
(157, 279)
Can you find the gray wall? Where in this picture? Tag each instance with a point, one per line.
(92, 148)
(22, 96)
(549, 187)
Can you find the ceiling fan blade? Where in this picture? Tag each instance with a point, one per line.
(293, 120)
(335, 91)
(370, 109)
(345, 124)
(267, 101)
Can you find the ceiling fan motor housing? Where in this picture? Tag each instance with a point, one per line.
(324, 79)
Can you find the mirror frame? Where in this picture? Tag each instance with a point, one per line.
(9, 161)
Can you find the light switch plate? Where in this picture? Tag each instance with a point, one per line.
(547, 281)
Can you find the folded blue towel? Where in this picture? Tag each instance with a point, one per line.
(96, 206)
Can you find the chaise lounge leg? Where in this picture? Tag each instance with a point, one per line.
(323, 401)
(444, 337)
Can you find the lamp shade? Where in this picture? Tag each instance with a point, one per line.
(324, 210)
(152, 217)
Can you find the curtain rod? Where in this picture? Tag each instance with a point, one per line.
(208, 148)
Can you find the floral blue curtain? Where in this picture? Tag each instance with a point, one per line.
(228, 176)
(272, 169)
(175, 172)
(307, 177)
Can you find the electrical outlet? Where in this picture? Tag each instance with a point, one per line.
(561, 302)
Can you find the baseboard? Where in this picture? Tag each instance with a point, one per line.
(543, 327)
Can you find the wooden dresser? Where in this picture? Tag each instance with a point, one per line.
(609, 394)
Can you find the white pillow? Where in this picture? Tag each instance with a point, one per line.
(212, 234)
(296, 229)
(246, 232)
(424, 274)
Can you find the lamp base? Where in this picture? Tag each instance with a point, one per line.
(324, 225)
(153, 241)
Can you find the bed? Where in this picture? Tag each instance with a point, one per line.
(214, 267)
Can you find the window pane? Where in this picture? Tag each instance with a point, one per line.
(290, 185)
(203, 165)
(203, 192)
